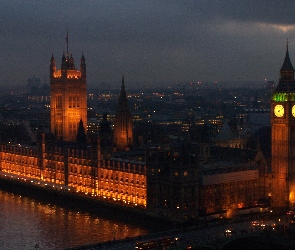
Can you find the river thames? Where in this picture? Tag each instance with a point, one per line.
(27, 223)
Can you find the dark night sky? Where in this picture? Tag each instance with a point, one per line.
(148, 41)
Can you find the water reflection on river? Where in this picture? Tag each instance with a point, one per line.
(27, 224)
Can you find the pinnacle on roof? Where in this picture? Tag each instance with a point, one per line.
(123, 81)
(287, 65)
(123, 91)
(286, 82)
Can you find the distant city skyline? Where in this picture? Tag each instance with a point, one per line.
(150, 42)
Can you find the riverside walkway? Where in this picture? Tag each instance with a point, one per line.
(207, 236)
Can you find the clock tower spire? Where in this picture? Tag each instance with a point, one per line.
(287, 70)
(283, 137)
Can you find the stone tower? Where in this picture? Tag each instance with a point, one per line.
(123, 125)
(68, 99)
(283, 137)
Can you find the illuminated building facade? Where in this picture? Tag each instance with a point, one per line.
(68, 103)
(283, 137)
(123, 125)
(175, 183)
(123, 181)
(83, 171)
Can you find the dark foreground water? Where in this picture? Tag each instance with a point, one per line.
(26, 223)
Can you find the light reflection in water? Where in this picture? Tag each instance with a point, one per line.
(27, 223)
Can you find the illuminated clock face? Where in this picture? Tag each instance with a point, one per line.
(293, 110)
(279, 110)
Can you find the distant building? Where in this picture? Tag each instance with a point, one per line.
(93, 126)
(230, 137)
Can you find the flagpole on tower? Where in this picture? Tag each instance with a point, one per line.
(67, 42)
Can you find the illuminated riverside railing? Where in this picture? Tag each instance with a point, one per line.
(37, 182)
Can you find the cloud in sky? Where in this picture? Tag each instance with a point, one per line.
(148, 41)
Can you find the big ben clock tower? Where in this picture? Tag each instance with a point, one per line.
(283, 137)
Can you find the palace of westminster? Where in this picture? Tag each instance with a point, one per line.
(177, 181)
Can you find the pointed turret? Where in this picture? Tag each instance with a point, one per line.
(82, 59)
(123, 131)
(287, 70)
(286, 82)
(52, 66)
(123, 98)
(287, 65)
(81, 136)
(52, 59)
(63, 59)
(63, 66)
(71, 62)
(83, 66)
